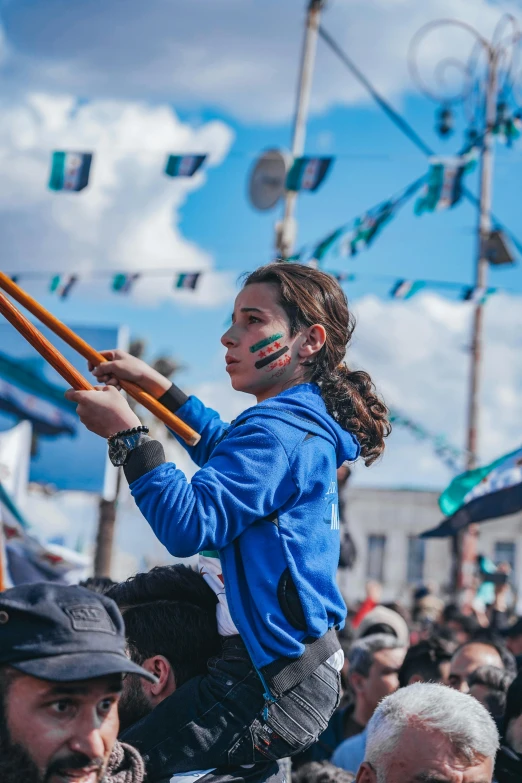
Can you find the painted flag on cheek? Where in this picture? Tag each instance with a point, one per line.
(270, 352)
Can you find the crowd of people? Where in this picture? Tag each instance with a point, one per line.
(88, 674)
(246, 669)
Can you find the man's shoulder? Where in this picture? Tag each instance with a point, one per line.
(349, 749)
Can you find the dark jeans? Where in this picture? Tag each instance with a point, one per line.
(222, 718)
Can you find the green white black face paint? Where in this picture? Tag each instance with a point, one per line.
(269, 351)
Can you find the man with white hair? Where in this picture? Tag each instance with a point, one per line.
(428, 733)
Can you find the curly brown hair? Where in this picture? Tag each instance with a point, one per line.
(309, 296)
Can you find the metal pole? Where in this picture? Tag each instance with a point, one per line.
(467, 546)
(105, 534)
(286, 229)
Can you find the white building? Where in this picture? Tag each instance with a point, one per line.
(385, 525)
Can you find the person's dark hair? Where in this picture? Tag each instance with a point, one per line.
(173, 583)
(513, 701)
(170, 611)
(497, 681)
(321, 772)
(309, 296)
(486, 637)
(468, 623)
(425, 659)
(98, 584)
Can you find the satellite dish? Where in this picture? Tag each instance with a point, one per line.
(268, 178)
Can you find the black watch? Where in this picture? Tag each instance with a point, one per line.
(122, 443)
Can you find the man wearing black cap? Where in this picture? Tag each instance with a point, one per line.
(62, 658)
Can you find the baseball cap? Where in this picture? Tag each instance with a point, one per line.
(63, 633)
(382, 616)
(513, 630)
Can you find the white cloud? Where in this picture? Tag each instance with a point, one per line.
(127, 219)
(417, 354)
(239, 55)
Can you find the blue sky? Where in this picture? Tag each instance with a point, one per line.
(131, 77)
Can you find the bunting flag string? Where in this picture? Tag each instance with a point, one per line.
(357, 234)
(124, 282)
(451, 456)
(70, 171)
(444, 185)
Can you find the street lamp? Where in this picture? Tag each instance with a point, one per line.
(487, 90)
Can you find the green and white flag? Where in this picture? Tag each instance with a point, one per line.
(183, 165)
(492, 491)
(405, 289)
(122, 282)
(70, 170)
(444, 186)
(307, 173)
(477, 294)
(509, 130)
(369, 225)
(187, 280)
(327, 243)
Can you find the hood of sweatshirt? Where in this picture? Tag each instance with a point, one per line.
(304, 407)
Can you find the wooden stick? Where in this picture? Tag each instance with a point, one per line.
(88, 352)
(43, 346)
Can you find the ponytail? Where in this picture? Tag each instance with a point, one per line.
(309, 296)
(351, 399)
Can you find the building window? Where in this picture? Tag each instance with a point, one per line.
(416, 555)
(506, 552)
(375, 563)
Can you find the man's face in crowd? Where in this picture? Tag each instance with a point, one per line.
(467, 660)
(426, 757)
(383, 677)
(54, 732)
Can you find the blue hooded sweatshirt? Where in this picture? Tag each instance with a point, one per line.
(266, 499)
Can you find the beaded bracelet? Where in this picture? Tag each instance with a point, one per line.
(133, 431)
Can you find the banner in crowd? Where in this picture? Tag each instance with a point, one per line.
(307, 173)
(489, 492)
(70, 170)
(184, 165)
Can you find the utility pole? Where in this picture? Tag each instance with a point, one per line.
(286, 229)
(488, 83)
(467, 541)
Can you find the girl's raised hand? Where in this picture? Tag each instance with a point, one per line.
(103, 411)
(121, 366)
